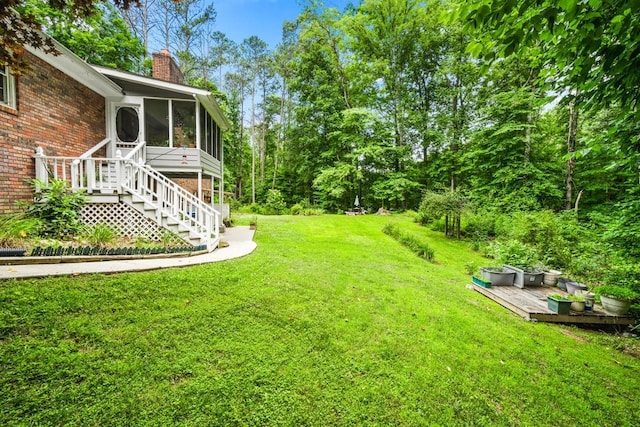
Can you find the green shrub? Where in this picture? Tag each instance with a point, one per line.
(626, 275)
(14, 228)
(514, 253)
(480, 225)
(100, 234)
(313, 211)
(57, 207)
(420, 248)
(297, 209)
(275, 204)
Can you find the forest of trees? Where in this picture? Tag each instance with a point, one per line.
(516, 106)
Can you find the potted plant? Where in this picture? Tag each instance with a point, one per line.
(558, 304)
(498, 276)
(253, 223)
(577, 302)
(615, 299)
(519, 258)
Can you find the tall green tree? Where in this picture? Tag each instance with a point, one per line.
(100, 38)
(321, 85)
(20, 26)
(254, 55)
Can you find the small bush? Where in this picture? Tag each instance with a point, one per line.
(253, 208)
(625, 275)
(275, 204)
(100, 235)
(297, 209)
(313, 211)
(514, 253)
(57, 207)
(14, 228)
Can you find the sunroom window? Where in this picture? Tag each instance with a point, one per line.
(170, 123)
(7, 88)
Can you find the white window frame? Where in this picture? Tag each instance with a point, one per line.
(10, 88)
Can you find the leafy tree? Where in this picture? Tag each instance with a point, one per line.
(587, 45)
(254, 55)
(320, 85)
(20, 26)
(449, 204)
(101, 38)
(221, 53)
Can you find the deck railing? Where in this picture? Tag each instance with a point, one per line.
(129, 175)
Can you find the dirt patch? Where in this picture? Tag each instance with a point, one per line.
(570, 334)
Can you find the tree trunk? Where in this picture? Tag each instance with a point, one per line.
(253, 142)
(280, 134)
(571, 149)
(527, 138)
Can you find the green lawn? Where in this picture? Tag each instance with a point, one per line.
(328, 322)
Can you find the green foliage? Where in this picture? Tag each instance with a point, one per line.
(420, 248)
(57, 207)
(619, 292)
(101, 38)
(625, 274)
(623, 227)
(100, 234)
(393, 189)
(275, 204)
(335, 184)
(435, 205)
(579, 298)
(14, 228)
(481, 225)
(514, 253)
(588, 45)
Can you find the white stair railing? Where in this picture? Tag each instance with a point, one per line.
(130, 175)
(171, 201)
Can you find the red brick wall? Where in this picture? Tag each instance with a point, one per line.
(165, 67)
(54, 112)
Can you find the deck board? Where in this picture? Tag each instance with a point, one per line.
(531, 304)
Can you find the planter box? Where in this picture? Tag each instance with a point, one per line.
(480, 282)
(524, 278)
(498, 278)
(562, 306)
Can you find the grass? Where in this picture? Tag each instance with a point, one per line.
(329, 322)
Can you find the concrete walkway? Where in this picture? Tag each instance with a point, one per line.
(240, 240)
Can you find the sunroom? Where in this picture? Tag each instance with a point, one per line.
(181, 125)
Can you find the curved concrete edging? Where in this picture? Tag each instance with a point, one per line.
(240, 240)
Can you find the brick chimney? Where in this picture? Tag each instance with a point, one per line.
(165, 67)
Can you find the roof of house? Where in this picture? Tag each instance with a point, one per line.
(70, 64)
(134, 83)
(109, 82)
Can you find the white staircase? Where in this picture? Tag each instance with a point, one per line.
(128, 180)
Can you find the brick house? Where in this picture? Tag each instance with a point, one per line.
(148, 152)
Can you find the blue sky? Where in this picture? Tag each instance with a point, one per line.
(240, 19)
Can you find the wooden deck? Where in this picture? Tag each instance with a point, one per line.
(531, 304)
